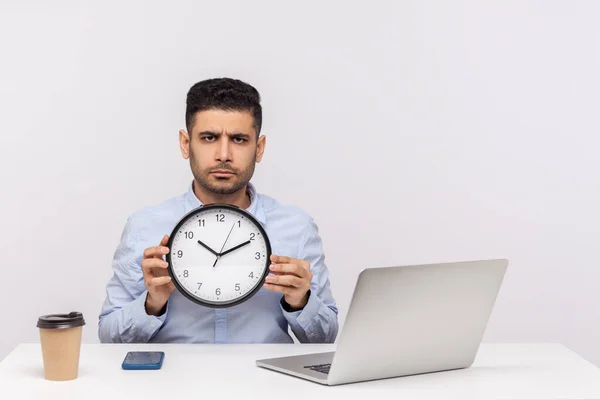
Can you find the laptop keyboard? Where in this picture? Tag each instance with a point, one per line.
(323, 368)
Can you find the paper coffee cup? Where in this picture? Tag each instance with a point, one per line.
(60, 338)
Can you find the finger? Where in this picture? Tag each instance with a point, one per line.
(160, 250)
(154, 282)
(164, 240)
(287, 290)
(285, 280)
(156, 251)
(171, 285)
(281, 259)
(293, 269)
(149, 263)
(289, 260)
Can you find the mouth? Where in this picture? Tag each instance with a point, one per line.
(222, 173)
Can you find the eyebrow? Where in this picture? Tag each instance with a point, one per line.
(236, 134)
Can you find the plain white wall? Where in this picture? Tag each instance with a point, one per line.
(412, 131)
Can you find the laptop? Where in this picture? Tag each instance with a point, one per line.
(406, 320)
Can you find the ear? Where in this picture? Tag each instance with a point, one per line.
(184, 144)
(260, 147)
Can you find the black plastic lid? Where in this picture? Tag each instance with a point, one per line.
(61, 321)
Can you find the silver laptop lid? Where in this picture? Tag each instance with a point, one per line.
(416, 319)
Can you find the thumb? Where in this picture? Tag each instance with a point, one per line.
(164, 240)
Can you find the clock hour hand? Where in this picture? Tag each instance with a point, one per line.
(208, 248)
(234, 248)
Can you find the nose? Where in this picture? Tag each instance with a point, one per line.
(224, 150)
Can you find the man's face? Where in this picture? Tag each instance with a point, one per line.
(223, 149)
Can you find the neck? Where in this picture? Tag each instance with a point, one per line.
(241, 198)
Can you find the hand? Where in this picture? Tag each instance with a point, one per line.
(292, 277)
(156, 277)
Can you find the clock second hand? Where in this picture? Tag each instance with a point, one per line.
(219, 255)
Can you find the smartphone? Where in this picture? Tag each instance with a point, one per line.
(143, 360)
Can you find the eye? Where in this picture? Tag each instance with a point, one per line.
(209, 138)
(238, 140)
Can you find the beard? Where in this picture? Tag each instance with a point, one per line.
(222, 186)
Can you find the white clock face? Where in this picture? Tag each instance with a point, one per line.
(219, 255)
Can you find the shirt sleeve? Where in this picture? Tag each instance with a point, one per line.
(123, 318)
(317, 322)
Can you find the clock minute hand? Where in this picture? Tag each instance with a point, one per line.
(208, 248)
(234, 248)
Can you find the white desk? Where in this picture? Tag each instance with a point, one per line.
(501, 371)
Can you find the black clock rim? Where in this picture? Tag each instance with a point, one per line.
(183, 290)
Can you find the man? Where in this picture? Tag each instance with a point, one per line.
(223, 143)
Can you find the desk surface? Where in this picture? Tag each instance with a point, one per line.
(500, 371)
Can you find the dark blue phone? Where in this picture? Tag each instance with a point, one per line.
(143, 360)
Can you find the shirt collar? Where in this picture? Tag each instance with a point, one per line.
(255, 208)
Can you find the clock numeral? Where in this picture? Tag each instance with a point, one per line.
(199, 285)
(240, 224)
(251, 275)
(185, 273)
(179, 253)
(218, 291)
(201, 222)
(189, 235)
(220, 217)
(252, 236)
(257, 255)
(237, 287)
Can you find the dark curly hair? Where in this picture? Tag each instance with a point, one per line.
(223, 94)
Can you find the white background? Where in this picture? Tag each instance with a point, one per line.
(412, 131)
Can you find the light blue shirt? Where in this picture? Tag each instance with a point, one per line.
(261, 319)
